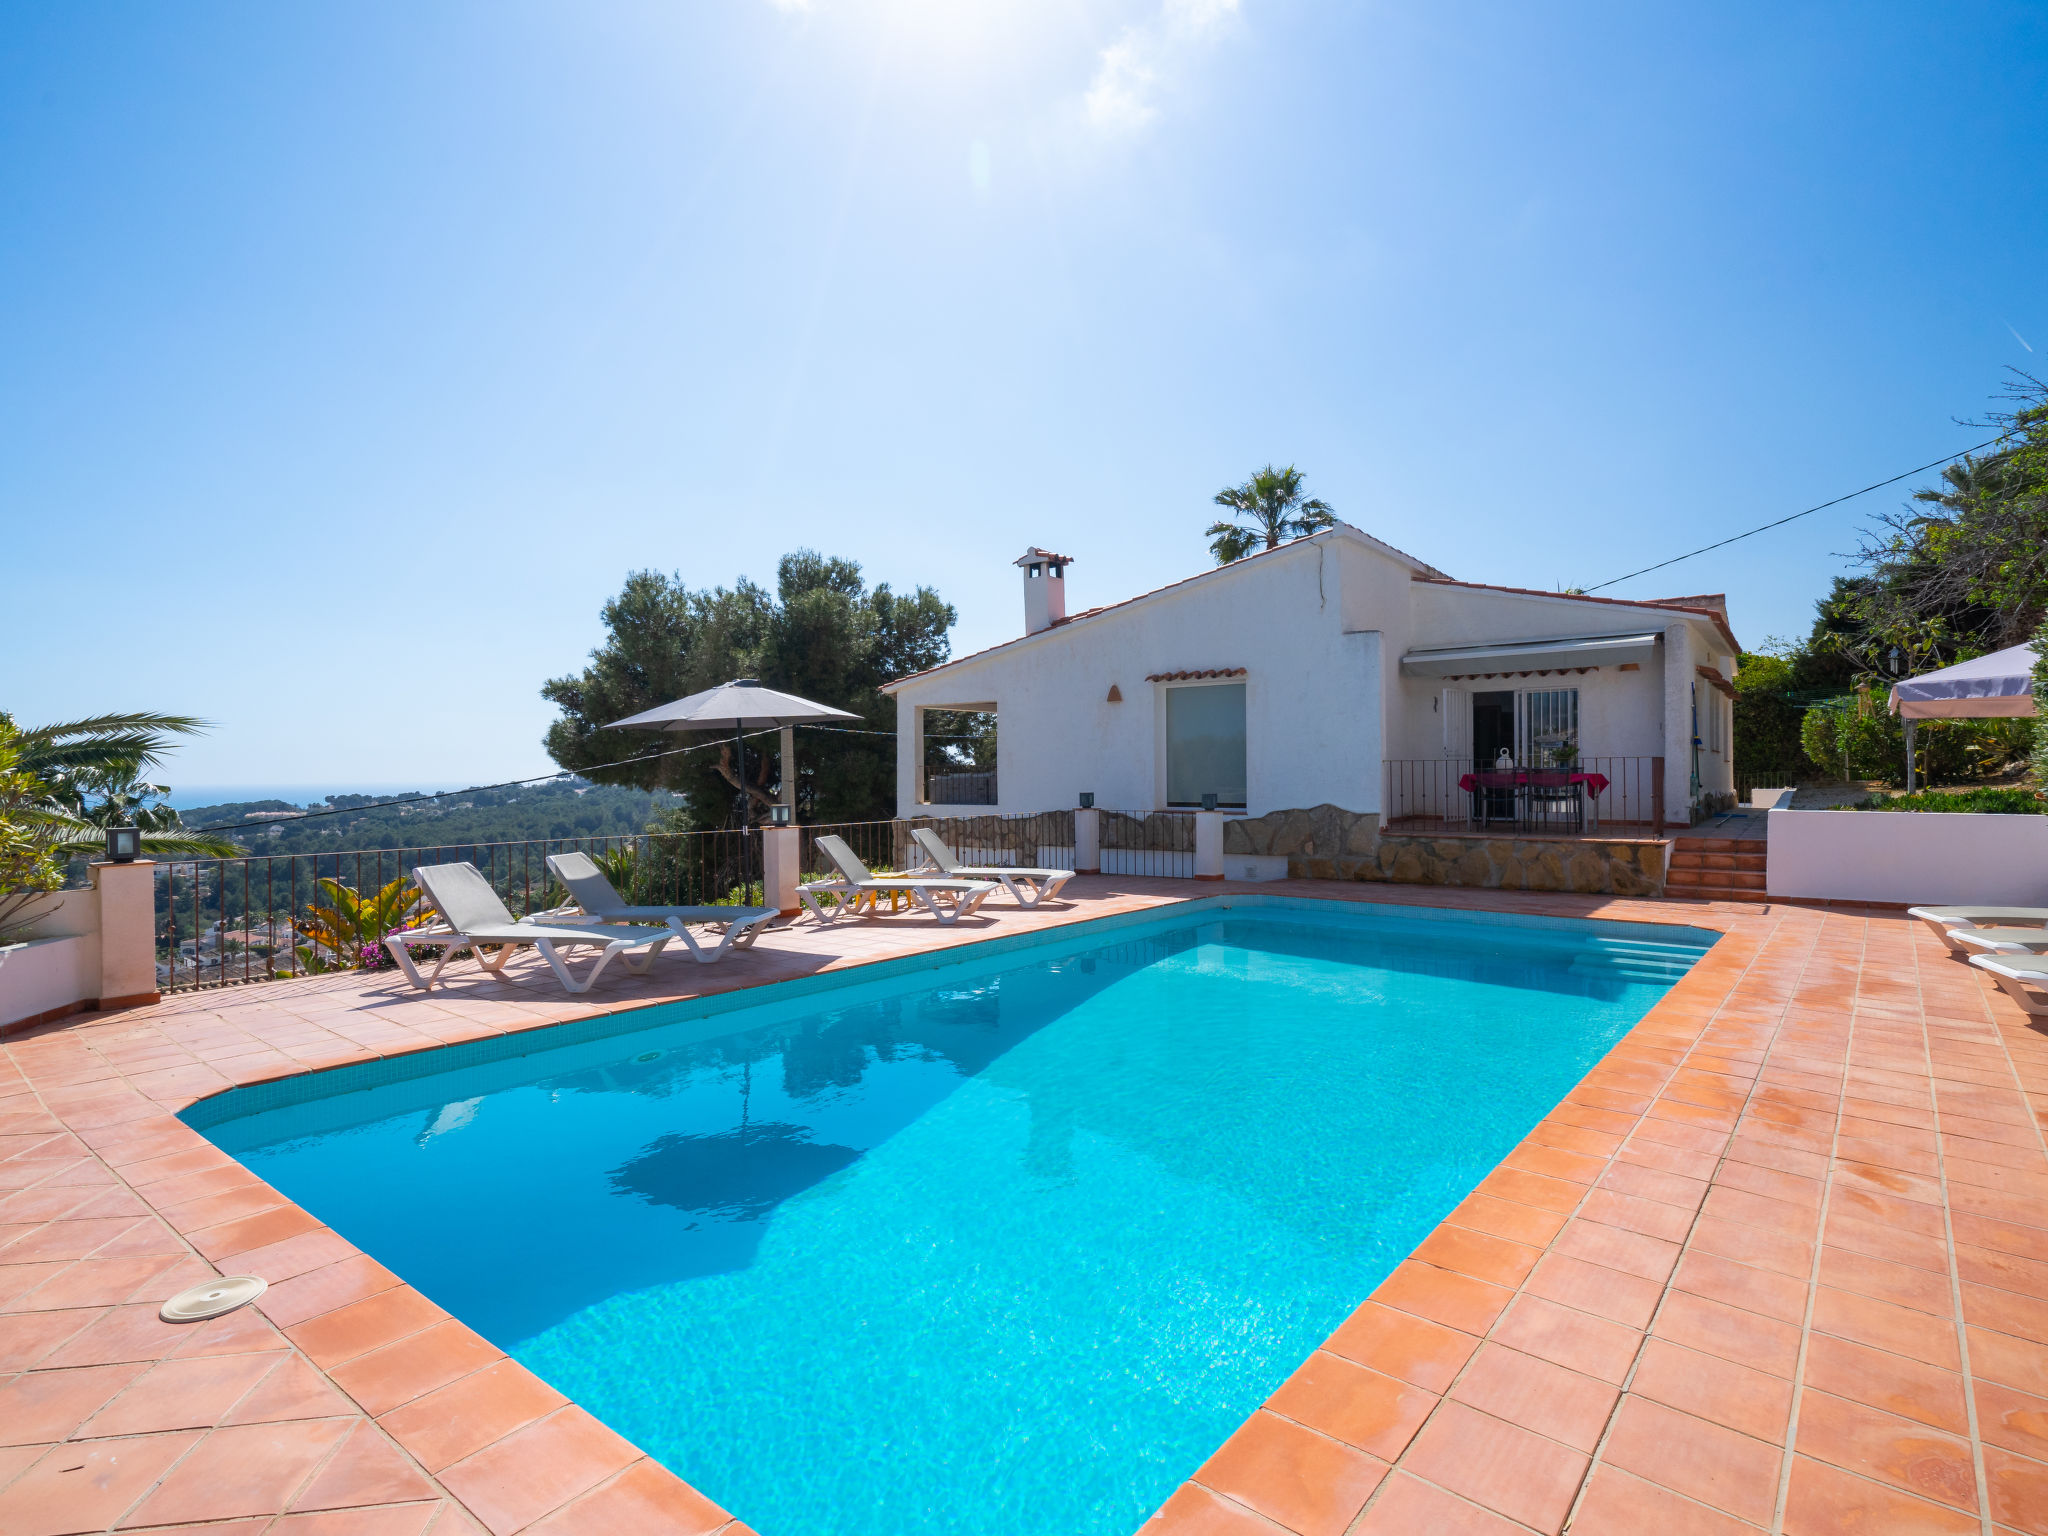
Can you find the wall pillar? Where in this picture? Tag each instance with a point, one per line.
(1208, 845)
(1088, 842)
(780, 855)
(1678, 689)
(127, 933)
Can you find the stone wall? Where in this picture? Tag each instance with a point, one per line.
(1330, 843)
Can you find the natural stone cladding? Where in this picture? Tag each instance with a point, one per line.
(1330, 843)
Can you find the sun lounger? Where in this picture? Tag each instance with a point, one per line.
(857, 890)
(1028, 887)
(472, 916)
(2002, 941)
(601, 902)
(2024, 977)
(1946, 920)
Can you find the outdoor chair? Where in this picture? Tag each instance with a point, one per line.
(857, 890)
(1550, 800)
(1948, 921)
(600, 902)
(2002, 941)
(2024, 978)
(1027, 886)
(472, 917)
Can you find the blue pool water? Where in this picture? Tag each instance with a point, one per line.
(1006, 1245)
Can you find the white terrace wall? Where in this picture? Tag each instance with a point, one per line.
(1916, 858)
(1312, 696)
(91, 948)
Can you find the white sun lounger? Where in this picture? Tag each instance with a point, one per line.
(857, 889)
(1028, 887)
(1946, 920)
(601, 902)
(2024, 977)
(472, 915)
(2002, 941)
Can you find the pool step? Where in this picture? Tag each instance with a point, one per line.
(1716, 867)
(1633, 962)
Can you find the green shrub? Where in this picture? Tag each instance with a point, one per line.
(1874, 745)
(1987, 800)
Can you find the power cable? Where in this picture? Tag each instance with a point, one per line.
(1947, 458)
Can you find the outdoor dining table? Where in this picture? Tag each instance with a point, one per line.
(1521, 778)
(1525, 785)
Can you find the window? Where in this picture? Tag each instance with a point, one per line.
(1205, 744)
(959, 756)
(1550, 727)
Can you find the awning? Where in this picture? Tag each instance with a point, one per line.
(1995, 687)
(1532, 655)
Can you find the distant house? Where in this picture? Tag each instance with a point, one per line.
(1338, 671)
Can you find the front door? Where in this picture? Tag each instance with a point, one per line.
(1493, 727)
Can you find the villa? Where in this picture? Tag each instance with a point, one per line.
(1336, 672)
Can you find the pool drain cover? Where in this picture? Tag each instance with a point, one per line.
(211, 1298)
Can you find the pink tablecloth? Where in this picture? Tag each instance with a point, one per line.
(1596, 783)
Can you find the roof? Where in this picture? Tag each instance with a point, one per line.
(1421, 569)
(1696, 607)
(1035, 555)
(1181, 677)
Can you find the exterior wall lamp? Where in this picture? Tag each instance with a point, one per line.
(1087, 800)
(1209, 801)
(778, 815)
(124, 844)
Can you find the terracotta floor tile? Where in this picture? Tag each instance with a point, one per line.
(367, 1469)
(1508, 1469)
(1909, 1388)
(1618, 1504)
(1625, 1299)
(384, 1378)
(1763, 1291)
(2018, 1489)
(42, 1406)
(1825, 1501)
(1782, 1255)
(647, 1500)
(1555, 1195)
(1576, 1340)
(1307, 1482)
(1710, 1463)
(246, 1470)
(1521, 1389)
(2013, 1362)
(294, 1390)
(182, 1394)
(74, 1488)
(1632, 1253)
(2016, 1420)
(1903, 1331)
(1903, 1285)
(1348, 1402)
(1407, 1506)
(365, 1325)
(1709, 1387)
(512, 1483)
(1907, 1455)
(376, 1520)
(1456, 1301)
(1192, 1511)
(1403, 1346)
(326, 1289)
(1509, 1219)
(1714, 1328)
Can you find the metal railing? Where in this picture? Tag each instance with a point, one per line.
(975, 786)
(1618, 795)
(1160, 843)
(259, 917)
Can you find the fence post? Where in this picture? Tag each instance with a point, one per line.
(779, 859)
(1208, 845)
(1656, 797)
(1088, 842)
(127, 895)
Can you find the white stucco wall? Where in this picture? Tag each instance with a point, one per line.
(60, 963)
(1930, 858)
(1312, 696)
(1320, 628)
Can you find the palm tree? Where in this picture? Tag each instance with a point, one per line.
(1269, 507)
(90, 775)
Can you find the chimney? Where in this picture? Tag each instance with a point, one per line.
(1045, 588)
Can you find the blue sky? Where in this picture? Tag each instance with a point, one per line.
(350, 356)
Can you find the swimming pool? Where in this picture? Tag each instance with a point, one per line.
(1002, 1239)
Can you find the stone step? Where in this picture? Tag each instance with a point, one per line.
(1686, 858)
(1718, 844)
(1715, 882)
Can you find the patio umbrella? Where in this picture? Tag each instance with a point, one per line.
(737, 706)
(1995, 687)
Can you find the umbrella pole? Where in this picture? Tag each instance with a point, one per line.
(739, 764)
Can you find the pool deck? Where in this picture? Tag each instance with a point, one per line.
(1778, 1263)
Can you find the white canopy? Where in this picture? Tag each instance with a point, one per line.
(1994, 687)
(1532, 655)
(731, 707)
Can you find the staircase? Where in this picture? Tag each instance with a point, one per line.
(1716, 869)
